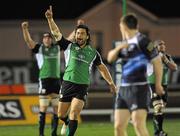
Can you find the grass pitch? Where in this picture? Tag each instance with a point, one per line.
(172, 127)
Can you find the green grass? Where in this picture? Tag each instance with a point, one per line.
(172, 126)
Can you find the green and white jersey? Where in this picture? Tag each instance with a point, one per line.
(151, 75)
(48, 59)
(79, 61)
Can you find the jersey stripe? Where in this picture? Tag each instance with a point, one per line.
(39, 57)
(67, 54)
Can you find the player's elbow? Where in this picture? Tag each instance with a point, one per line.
(111, 57)
(109, 60)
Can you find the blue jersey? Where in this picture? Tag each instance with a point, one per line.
(135, 59)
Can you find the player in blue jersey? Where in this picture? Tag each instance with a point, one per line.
(132, 100)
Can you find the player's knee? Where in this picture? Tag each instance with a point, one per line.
(62, 118)
(138, 125)
(118, 126)
(61, 115)
(73, 114)
(55, 110)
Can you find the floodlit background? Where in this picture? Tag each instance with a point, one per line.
(18, 69)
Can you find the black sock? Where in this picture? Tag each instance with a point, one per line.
(42, 117)
(72, 127)
(158, 122)
(54, 125)
(65, 120)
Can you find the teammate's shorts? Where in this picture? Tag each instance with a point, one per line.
(133, 97)
(49, 85)
(71, 90)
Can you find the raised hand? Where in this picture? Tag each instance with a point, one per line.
(25, 25)
(80, 22)
(49, 13)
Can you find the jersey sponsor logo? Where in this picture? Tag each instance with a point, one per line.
(11, 110)
(50, 57)
(134, 106)
(80, 59)
(52, 54)
(81, 56)
(77, 48)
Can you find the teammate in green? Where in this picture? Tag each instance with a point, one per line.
(80, 56)
(160, 102)
(48, 59)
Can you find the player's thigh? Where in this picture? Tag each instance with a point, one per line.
(139, 117)
(54, 101)
(121, 117)
(63, 108)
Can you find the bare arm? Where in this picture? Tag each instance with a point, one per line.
(113, 54)
(52, 25)
(158, 70)
(72, 34)
(27, 37)
(107, 76)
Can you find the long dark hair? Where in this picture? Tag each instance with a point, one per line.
(87, 31)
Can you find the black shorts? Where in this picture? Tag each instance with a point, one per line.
(154, 96)
(133, 97)
(49, 85)
(71, 90)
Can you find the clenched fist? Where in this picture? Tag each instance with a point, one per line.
(80, 22)
(25, 25)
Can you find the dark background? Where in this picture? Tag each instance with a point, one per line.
(70, 9)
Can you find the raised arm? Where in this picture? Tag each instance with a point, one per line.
(52, 25)
(27, 37)
(107, 76)
(72, 34)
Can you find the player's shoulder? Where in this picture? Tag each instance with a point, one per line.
(143, 40)
(142, 37)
